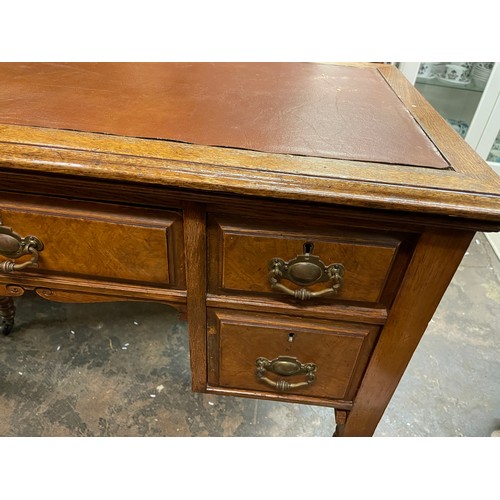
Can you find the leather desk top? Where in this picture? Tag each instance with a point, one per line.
(304, 109)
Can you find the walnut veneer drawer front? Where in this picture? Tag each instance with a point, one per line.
(286, 259)
(98, 241)
(284, 355)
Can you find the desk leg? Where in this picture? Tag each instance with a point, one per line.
(7, 313)
(436, 258)
(340, 420)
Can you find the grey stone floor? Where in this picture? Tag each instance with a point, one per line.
(122, 369)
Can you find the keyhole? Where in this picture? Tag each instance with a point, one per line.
(308, 247)
(291, 336)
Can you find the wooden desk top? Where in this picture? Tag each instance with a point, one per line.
(355, 135)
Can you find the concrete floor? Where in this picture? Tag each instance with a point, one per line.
(122, 369)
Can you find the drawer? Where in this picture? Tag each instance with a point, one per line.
(99, 241)
(287, 356)
(330, 262)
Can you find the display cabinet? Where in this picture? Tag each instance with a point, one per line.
(469, 100)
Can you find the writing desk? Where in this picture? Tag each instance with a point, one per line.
(307, 218)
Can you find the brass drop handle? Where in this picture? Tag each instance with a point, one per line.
(306, 269)
(285, 366)
(14, 246)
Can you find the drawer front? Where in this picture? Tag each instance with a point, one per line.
(100, 241)
(241, 252)
(265, 353)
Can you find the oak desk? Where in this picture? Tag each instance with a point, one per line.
(307, 217)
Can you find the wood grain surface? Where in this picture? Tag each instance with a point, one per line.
(241, 250)
(96, 241)
(340, 351)
(227, 171)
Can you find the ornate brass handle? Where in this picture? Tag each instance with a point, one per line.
(305, 270)
(285, 366)
(14, 246)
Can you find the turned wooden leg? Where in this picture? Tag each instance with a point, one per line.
(7, 313)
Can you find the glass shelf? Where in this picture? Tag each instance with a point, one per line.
(436, 82)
